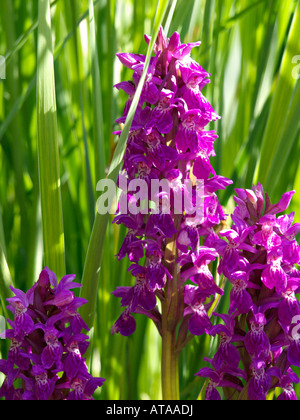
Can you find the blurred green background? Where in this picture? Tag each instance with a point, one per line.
(252, 50)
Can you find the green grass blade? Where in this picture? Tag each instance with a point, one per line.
(95, 250)
(170, 17)
(48, 156)
(79, 86)
(99, 147)
(17, 135)
(288, 137)
(281, 99)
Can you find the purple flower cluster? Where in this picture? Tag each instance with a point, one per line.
(45, 360)
(258, 256)
(168, 141)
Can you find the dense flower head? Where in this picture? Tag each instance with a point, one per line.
(169, 141)
(46, 356)
(258, 256)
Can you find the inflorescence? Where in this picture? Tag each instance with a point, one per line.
(258, 336)
(45, 359)
(168, 141)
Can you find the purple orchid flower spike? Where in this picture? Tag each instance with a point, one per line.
(47, 345)
(259, 260)
(257, 253)
(169, 142)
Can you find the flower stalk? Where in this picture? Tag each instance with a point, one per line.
(170, 361)
(170, 319)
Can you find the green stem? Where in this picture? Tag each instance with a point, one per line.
(170, 360)
(172, 308)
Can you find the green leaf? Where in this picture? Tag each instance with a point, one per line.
(286, 141)
(97, 99)
(48, 156)
(279, 124)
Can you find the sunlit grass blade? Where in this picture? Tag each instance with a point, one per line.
(288, 136)
(267, 166)
(48, 156)
(95, 250)
(100, 161)
(79, 85)
(16, 135)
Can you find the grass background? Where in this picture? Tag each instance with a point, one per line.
(249, 47)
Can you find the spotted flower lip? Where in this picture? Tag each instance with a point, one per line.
(267, 237)
(240, 299)
(256, 341)
(199, 321)
(260, 382)
(139, 295)
(193, 123)
(47, 346)
(125, 324)
(227, 354)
